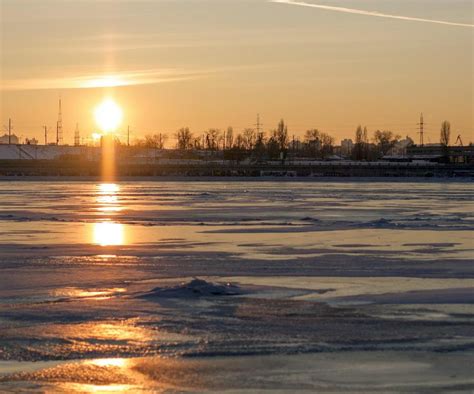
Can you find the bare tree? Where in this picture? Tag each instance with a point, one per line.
(229, 138)
(259, 148)
(313, 141)
(184, 138)
(327, 145)
(282, 135)
(156, 141)
(358, 150)
(445, 134)
(273, 147)
(249, 138)
(385, 140)
(212, 138)
(239, 142)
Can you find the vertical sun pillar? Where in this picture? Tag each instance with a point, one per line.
(107, 155)
(108, 116)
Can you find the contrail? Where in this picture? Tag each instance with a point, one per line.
(369, 13)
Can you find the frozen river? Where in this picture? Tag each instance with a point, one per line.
(302, 286)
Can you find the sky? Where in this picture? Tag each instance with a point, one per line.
(326, 64)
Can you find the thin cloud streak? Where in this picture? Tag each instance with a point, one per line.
(130, 78)
(120, 79)
(368, 13)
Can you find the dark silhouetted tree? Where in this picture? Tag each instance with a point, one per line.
(327, 145)
(385, 141)
(312, 140)
(184, 138)
(211, 138)
(282, 136)
(249, 139)
(358, 151)
(445, 133)
(229, 138)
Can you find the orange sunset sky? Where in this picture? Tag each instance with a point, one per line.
(327, 64)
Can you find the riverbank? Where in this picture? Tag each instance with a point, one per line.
(85, 169)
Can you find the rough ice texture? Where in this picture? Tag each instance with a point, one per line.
(192, 289)
(337, 271)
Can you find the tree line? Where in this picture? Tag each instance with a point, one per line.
(277, 144)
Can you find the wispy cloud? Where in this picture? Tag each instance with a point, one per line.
(124, 78)
(127, 78)
(368, 13)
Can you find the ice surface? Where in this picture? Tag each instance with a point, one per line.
(336, 286)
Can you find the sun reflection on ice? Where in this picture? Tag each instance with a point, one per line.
(109, 362)
(109, 188)
(109, 234)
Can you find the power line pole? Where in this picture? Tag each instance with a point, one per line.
(77, 136)
(258, 125)
(45, 135)
(422, 129)
(59, 126)
(128, 135)
(9, 131)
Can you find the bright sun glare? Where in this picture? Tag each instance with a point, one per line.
(108, 115)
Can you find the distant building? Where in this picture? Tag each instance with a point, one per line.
(346, 147)
(6, 140)
(440, 154)
(31, 141)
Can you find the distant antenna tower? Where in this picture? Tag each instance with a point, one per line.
(422, 129)
(45, 135)
(258, 125)
(77, 136)
(59, 126)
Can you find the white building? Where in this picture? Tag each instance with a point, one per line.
(4, 139)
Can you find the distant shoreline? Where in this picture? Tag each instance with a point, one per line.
(302, 179)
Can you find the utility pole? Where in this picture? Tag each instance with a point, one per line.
(59, 126)
(77, 136)
(258, 125)
(45, 135)
(9, 131)
(128, 135)
(422, 129)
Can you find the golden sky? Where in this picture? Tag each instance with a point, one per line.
(327, 64)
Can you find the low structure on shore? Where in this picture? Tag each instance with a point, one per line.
(17, 160)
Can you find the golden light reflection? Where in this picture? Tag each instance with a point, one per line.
(73, 292)
(109, 234)
(95, 388)
(109, 188)
(108, 198)
(109, 362)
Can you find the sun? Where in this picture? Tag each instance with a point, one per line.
(108, 115)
